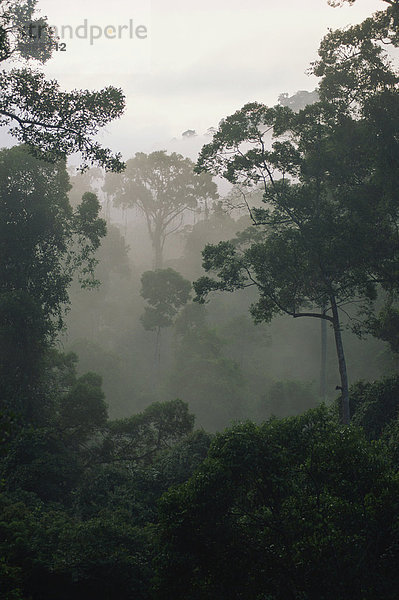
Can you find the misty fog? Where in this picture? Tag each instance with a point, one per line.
(199, 300)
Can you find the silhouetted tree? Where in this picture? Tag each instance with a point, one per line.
(43, 244)
(162, 187)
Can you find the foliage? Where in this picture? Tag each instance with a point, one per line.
(328, 178)
(145, 506)
(375, 405)
(50, 122)
(82, 411)
(385, 325)
(184, 458)
(165, 291)
(291, 261)
(61, 556)
(354, 64)
(143, 436)
(294, 508)
(39, 461)
(43, 244)
(41, 232)
(47, 459)
(61, 123)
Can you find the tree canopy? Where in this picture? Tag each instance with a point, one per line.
(44, 243)
(293, 507)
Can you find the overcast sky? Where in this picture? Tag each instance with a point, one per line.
(197, 62)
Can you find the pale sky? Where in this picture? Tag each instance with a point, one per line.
(198, 63)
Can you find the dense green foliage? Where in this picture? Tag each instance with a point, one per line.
(328, 178)
(296, 508)
(43, 244)
(53, 124)
(108, 491)
(300, 506)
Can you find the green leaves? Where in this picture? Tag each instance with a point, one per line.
(142, 437)
(43, 244)
(354, 65)
(238, 149)
(54, 124)
(277, 510)
(39, 229)
(63, 556)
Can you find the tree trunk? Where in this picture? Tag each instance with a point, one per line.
(158, 259)
(345, 410)
(157, 360)
(125, 219)
(323, 358)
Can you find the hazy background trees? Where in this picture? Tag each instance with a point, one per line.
(109, 485)
(164, 188)
(234, 363)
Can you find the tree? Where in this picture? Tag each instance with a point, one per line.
(53, 554)
(375, 405)
(44, 243)
(162, 187)
(141, 438)
(329, 177)
(358, 78)
(52, 123)
(166, 292)
(353, 63)
(304, 252)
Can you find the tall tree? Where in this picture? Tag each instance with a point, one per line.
(162, 187)
(329, 179)
(316, 243)
(43, 244)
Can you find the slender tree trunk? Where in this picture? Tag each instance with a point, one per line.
(108, 207)
(157, 359)
(345, 410)
(323, 358)
(125, 221)
(158, 258)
